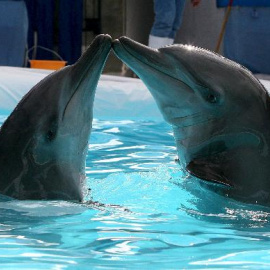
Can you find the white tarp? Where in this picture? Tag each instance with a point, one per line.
(115, 96)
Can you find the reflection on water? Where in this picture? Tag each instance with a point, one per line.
(143, 212)
(124, 146)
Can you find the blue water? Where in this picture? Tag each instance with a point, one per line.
(146, 214)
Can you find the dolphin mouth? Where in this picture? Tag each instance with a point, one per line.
(96, 54)
(209, 172)
(91, 61)
(125, 47)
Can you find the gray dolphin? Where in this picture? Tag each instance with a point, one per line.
(220, 113)
(43, 143)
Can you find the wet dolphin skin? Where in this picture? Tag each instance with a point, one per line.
(44, 142)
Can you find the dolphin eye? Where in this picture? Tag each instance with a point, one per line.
(50, 135)
(210, 95)
(212, 98)
(50, 130)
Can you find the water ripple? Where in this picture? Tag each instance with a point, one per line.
(143, 212)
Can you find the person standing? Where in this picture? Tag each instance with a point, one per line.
(168, 18)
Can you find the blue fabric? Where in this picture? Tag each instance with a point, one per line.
(244, 3)
(70, 29)
(168, 17)
(247, 38)
(41, 17)
(69, 25)
(13, 32)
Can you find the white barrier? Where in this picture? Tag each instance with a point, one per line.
(115, 96)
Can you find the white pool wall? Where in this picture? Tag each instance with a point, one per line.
(116, 97)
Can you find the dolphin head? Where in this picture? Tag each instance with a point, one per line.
(44, 142)
(218, 110)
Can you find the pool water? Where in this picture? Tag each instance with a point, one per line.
(144, 213)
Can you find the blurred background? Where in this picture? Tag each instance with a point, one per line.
(62, 29)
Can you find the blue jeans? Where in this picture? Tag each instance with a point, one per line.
(168, 17)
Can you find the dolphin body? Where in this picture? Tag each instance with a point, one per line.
(220, 114)
(44, 142)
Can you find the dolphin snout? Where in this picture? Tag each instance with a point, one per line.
(103, 38)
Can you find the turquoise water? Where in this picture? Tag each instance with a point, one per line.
(145, 214)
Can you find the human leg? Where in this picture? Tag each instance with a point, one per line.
(180, 5)
(165, 12)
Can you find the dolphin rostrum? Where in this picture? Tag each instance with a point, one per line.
(43, 143)
(220, 114)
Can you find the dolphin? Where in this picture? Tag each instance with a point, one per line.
(44, 141)
(219, 112)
